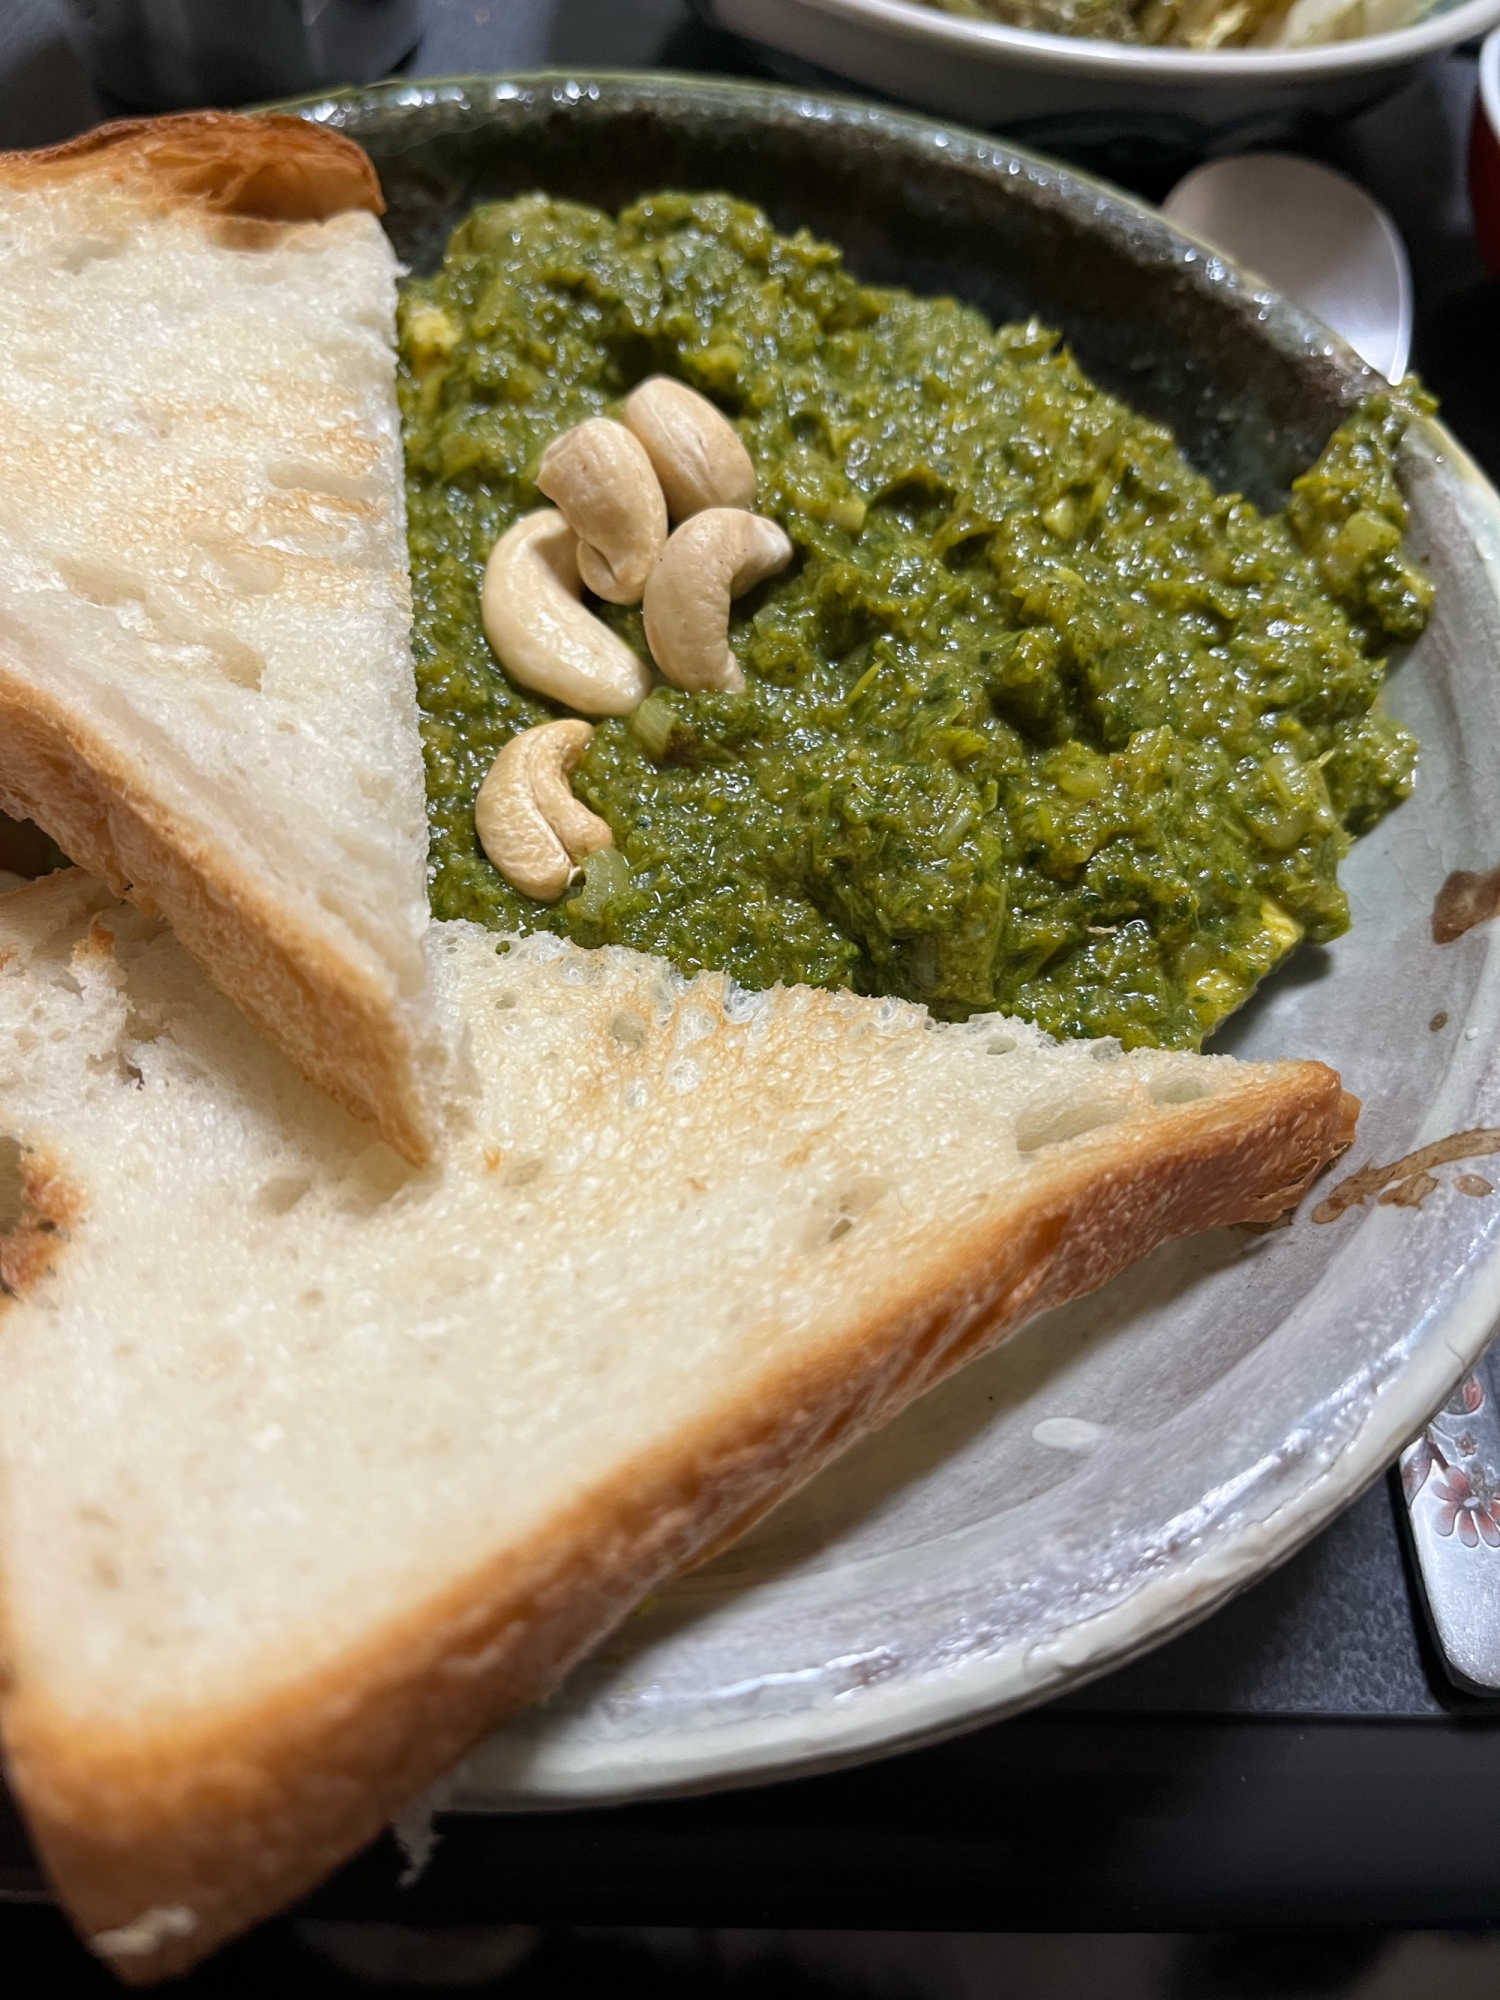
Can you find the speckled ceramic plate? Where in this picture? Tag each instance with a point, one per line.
(1120, 1467)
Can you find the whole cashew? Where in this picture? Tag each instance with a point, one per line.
(695, 449)
(716, 556)
(534, 618)
(528, 821)
(598, 474)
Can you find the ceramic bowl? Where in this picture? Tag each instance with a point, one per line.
(1120, 1467)
(1056, 90)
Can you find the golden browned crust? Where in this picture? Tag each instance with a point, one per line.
(38, 1206)
(233, 1814)
(273, 167)
(336, 1024)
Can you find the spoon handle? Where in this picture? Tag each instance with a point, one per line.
(1450, 1479)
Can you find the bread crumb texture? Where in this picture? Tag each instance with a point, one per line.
(316, 1464)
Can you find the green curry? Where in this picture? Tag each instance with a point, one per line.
(1036, 720)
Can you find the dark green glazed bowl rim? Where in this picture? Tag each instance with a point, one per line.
(400, 110)
(1294, 376)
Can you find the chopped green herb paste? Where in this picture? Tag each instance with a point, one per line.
(1035, 721)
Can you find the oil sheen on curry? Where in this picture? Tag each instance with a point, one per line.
(1035, 720)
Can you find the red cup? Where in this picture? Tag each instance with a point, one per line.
(1484, 154)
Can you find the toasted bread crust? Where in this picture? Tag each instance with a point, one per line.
(101, 808)
(273, 167)
(230, 1817)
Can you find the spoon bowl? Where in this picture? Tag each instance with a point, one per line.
(1314, 237)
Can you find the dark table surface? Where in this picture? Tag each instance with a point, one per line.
(1285, 1763)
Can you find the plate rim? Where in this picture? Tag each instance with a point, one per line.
(888, 1721)
(997, 45)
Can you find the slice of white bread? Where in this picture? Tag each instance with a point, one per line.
(315, 1466)
(206, 692)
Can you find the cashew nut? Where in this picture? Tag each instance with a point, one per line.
(696, 451)
(528, 821)
(599, 475)
(535, 620)
(715, 556)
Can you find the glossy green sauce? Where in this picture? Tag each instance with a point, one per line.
(1035, 721)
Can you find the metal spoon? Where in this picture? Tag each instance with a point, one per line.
(1313, 236)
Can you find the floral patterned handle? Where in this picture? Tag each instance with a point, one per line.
(1450, 1476)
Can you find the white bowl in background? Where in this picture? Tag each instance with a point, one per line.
(1040, 86)
(1484, 155)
